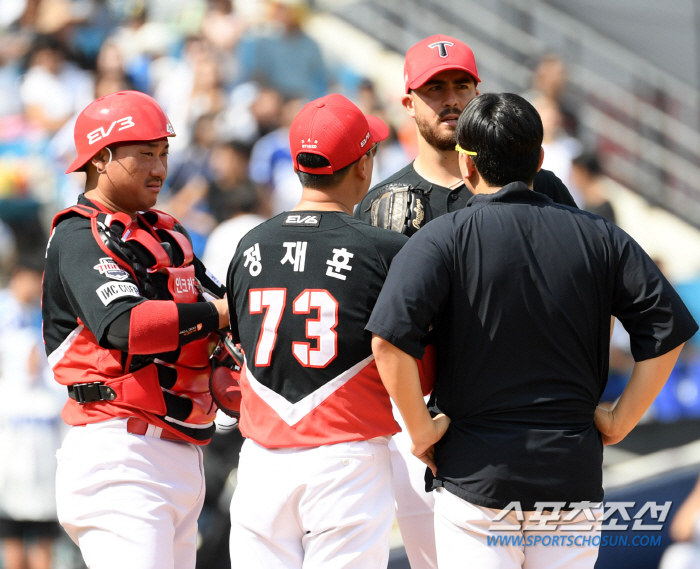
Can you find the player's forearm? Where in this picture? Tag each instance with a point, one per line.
(157, 326)
(647, 380)
(399, 373)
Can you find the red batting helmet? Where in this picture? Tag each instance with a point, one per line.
(120, 117)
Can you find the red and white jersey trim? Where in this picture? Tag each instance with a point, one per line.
(188, 425)
(292, 413)
(57, 355)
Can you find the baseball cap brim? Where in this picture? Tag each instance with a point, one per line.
(423, 78)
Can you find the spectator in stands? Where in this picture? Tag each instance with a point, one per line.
(271, 162)
(285, 57)
(110, 62)
(207, 197)
(244, 206)
(586, 177)
(221, 26)
(29, 426)
(141, 42)
(559, 148)
(228, 166)
(8, 251)
(53, 89)
(11, 51)
(189, 87)
(550, 79)
(192, 161)
(253, 111)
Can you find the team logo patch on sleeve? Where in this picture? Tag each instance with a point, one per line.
(109, 292)
(306, 220)
(109, 268)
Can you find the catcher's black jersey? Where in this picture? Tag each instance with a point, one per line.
(302, 287)
(84, 291)
(84, 286)
(444, 200)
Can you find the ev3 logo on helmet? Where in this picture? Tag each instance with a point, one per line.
(99, 133)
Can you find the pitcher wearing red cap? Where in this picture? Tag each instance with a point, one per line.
(440, 79)
(314, 478)
(129, 314)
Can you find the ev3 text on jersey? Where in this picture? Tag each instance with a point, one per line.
(100, 133)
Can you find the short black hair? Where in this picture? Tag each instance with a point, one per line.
(588, 161)
(320, 181)
(506, 133)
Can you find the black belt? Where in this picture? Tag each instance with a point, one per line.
(89, 392)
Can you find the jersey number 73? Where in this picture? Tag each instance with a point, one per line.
(322, 328)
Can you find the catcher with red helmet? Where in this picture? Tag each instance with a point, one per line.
(130, 315)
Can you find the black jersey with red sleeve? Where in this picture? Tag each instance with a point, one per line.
(302, 287)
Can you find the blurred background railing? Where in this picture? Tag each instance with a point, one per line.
(643, 121)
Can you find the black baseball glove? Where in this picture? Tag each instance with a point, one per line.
(400, 207)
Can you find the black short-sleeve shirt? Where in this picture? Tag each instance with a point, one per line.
(445, 200)
(519, 291)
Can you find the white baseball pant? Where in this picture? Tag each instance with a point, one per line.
(129, 500)
(325, 507)
(414, 506)
(462, 531)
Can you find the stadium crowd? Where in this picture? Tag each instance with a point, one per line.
(230, 76)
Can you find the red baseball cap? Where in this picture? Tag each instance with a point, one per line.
(333, 127)
(435, 54)
(119, 117)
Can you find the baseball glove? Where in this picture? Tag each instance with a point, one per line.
(224, 383)
(402, 208)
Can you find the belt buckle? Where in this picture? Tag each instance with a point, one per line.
(79, 391)
(91, 392)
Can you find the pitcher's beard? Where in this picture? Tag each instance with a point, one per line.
(436, 139)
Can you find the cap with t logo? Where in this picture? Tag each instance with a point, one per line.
(435, 54)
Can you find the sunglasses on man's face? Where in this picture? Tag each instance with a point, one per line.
(461, 150)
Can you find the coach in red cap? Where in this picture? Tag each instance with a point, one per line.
(440, 79)
(314, 479)
(128, 333)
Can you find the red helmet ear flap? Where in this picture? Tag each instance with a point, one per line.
(120, 117)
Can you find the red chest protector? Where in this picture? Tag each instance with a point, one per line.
(153, 245)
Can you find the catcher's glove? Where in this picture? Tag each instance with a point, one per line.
(224, 383)
(401, 208)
